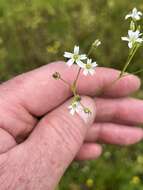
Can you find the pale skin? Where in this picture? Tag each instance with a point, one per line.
(39, 138)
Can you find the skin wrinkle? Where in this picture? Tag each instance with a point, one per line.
(76, 135)
(105, 110)
(6, 180)
(60, 119)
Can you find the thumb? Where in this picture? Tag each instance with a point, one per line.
(57, 139)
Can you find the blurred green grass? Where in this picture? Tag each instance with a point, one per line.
(36, 32)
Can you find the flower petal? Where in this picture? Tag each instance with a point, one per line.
(134, 10)
(72, 111)
(130, 44)
(92, 71)
(94, 64)
(125, 38)
(89, 61)
(128, 16)
(80, 63)
(83, 57)
(68, 54)
(140, 13)
(70, 62)
(85, 72)
(140, 40)
(76, 50)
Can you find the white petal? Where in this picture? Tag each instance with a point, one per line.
(68, 54)
(139, 40)
(83, 57)
(134, 10)
(127, 16)
(140, 13)
(72, 111)
(94, 64)
(125, 38)
(92, 71)
(89, 61)
(79, 109)
(130, 33)
(76, 50)
(70, 107)
(137, 17)
(85, 72)
(70, 62)
(137, 33)
(130, 44)
(80, 64)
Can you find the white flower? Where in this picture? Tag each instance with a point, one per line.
(135, 15)
(89, 67)
(75, 57)
(75, 107)
(133, 37)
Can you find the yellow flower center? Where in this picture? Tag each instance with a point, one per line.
(75, 57)
(88, 66)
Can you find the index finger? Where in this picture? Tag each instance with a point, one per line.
(39, 93)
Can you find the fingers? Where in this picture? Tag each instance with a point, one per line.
(89, 151)
(56, 141)
(123, 111)
(114, 134)
(38, 92)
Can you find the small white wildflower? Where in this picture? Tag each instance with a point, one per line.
(75, 107)
(135, 15)
(133, 37)
(75, 57)
(89, 67)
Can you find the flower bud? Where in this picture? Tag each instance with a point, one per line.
(97, 43)
(56, 76)
(132, 26)
(87, 110)
(77, 98)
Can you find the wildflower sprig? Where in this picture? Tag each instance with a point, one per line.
(134, 38)
(86, 66)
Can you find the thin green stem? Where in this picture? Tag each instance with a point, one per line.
(128, 61)
(134, 73)
(64, 81)
(75, 82)
(139, 71)
(90, 50)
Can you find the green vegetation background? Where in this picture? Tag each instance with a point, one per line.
(36, 32)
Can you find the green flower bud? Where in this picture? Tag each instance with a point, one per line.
(97, 43)
(87, 110)
(132, 26)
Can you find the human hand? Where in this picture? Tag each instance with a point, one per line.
(40, 161)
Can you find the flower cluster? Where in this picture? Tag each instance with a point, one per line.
(88, 67)
(134, 36)
(84, 63)
(75, 57)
